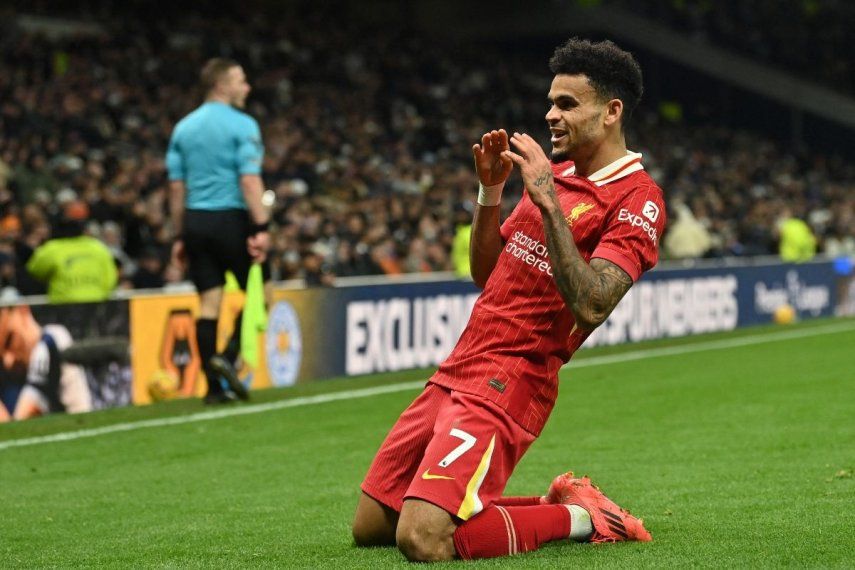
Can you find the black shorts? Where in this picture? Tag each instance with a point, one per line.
(215, 241)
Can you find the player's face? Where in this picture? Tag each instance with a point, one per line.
(235, 86)
(575, 117)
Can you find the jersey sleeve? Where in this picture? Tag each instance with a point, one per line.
(632, 231)
(174, 158)
(250, 148)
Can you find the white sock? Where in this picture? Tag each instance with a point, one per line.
(581, 527)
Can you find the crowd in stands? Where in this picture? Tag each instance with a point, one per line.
(367, 138)
(812, 38)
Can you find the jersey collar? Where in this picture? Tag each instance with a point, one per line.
(623, 166)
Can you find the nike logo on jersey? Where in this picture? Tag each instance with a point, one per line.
(427, 475)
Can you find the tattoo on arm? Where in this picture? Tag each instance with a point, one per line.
(608, 287)
(591, 291)
(543, 179)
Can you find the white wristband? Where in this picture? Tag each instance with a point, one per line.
(490, 195)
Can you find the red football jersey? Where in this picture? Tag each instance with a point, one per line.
(520, 332)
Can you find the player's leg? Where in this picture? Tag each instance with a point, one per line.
(450, 512)
(393, 469)
(425, 532)
(374, 523)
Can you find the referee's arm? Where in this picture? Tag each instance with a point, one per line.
(177, 194)
(253, 188)
(250, 156)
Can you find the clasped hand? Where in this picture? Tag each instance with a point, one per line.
(535, 167)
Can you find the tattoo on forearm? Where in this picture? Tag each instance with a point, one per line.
(591, 291)
(542, 179)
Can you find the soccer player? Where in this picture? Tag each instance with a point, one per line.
(586, 228)
(214, 162)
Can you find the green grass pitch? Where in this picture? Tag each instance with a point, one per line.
(737, 450)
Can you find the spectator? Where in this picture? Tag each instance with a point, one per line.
(686, 237)
(149, 273)
(77, 268)
(384, 158)
(798, 243)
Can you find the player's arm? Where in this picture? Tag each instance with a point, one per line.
(590, 291)
(485, 243)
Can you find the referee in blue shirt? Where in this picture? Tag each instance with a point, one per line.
(214, 164)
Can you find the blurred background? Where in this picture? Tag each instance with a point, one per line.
(368, 112)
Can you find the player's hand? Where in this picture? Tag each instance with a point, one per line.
(179, 255)
(258, 245)
(535, 168)
(490, 163)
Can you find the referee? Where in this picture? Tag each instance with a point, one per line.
(214, 164)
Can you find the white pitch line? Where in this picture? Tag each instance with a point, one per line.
(214, 415)
(404, 386)
(710, 345)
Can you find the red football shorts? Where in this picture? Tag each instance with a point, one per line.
(451, 449)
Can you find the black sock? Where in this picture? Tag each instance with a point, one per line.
(233, 347)
(206, 337)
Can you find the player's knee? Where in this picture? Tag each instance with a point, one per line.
(362, 535)
(421, 543)
(369, 535)
(373, 523)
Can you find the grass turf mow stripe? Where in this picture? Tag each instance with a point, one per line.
(404, 386)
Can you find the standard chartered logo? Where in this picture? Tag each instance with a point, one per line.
(530, 251)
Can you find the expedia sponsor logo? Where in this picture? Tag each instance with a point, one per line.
(638, 222)
(650, 211)
(530, 251)
(577, 212)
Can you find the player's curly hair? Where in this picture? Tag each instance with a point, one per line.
(612, 72)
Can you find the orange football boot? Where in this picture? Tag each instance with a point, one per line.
(611, 523)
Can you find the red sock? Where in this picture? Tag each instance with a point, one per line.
(517, 501)
(503, 531)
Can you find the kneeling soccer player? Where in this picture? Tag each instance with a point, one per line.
(586, 228)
